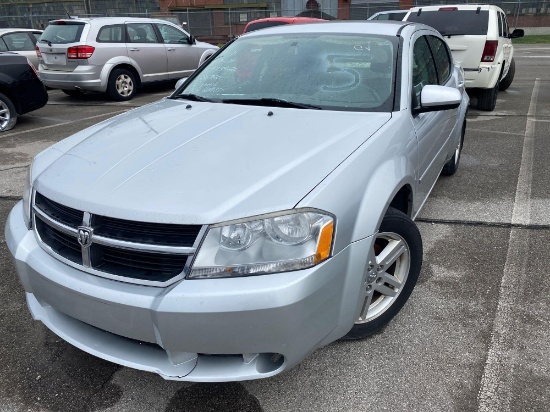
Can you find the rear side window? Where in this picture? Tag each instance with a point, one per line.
(62, 32)
(441, 57)
(18, 42)
(264, 24)
(111, 34)
(141, 33)
(454, 22)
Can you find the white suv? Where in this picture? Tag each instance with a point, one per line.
(480, 42)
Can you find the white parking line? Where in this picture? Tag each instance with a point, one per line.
(495, 390)
(62, 124)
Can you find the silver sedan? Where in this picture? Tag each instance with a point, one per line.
(262, 211)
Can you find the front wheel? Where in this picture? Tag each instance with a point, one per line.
(8, 115)
(451, 166)
(392, 270)
(122, 85)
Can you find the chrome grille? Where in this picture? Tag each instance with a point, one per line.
(139, 252)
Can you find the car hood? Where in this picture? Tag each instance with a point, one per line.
(180, 162)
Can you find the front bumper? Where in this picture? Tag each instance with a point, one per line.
(194, 330)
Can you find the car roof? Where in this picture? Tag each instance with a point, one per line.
(458, 6)
(286, 19)
(112, 20)
(387, 28)
(11, 30)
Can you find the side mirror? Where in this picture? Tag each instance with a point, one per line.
(191, 39)
(517, 33)
(180, 82)
(436, 98)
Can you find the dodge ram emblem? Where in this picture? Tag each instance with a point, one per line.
(85, 236)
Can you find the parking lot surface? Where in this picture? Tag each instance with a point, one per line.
(473, 336)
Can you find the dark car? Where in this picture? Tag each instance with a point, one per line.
(21, 90)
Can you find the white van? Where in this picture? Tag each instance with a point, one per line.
(480, 42)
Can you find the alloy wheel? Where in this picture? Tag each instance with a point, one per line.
(124, 85)
(5, 115)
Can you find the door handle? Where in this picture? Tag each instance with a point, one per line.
(134, 49)
(172, 49)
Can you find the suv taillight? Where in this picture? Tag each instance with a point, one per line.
(38, 52)
(80, 52)
(489, 51)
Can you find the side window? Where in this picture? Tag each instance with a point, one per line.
(499, 18)
(505, 30)
(442, 59)
(171, 35)
(141, 33)
(3, 45)
(18, 42)
(111, 34)
(423, 71)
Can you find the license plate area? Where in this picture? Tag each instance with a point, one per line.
(55, 58)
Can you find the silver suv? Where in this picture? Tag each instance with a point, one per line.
(116, 54)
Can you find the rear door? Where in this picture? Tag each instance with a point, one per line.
(183, 58)
(465, 31)
(56, 40)
(146, 49)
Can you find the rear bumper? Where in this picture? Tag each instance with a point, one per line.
(86, 77)
(195, 330)
(484, 77)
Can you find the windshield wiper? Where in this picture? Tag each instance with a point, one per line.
(194, 97)
(46, 41)
(268, 101)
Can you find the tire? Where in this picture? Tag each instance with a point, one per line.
(72, 93)
(122, 85)
(507, 81)
(388, 287)
(487, 98)
(8, 114)
(451, 166)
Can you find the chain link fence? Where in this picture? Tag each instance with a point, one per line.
(219, 23)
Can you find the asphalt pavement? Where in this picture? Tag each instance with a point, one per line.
(474, 335)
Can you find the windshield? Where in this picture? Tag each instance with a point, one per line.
(454, 22)
(263, 25)
(325, 71)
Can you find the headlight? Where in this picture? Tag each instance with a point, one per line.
(27, 196)
(275, 243)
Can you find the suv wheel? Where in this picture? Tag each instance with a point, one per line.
(122, 85)
(487, 98)
(392, 272)
(8, 115)
(507, 81)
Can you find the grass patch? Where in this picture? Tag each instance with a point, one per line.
(534, 39)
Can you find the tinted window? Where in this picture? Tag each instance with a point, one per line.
(141, 33)
(111, 34)
(454, 22)
(264, 24)
(62, 32)
(424, 71)
(504, 24)
(499, 18)
(18, 42)
(172, 35)
(331, 71)
(441, 57)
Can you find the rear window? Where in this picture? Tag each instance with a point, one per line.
(62, 32)
(264, 24)
(454, 22)
(391, 16)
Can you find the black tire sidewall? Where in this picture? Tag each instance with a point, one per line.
(111, 86)
(13, 112)
(396, 222)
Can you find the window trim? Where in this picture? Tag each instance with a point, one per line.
(128, 40)
(124, 34)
